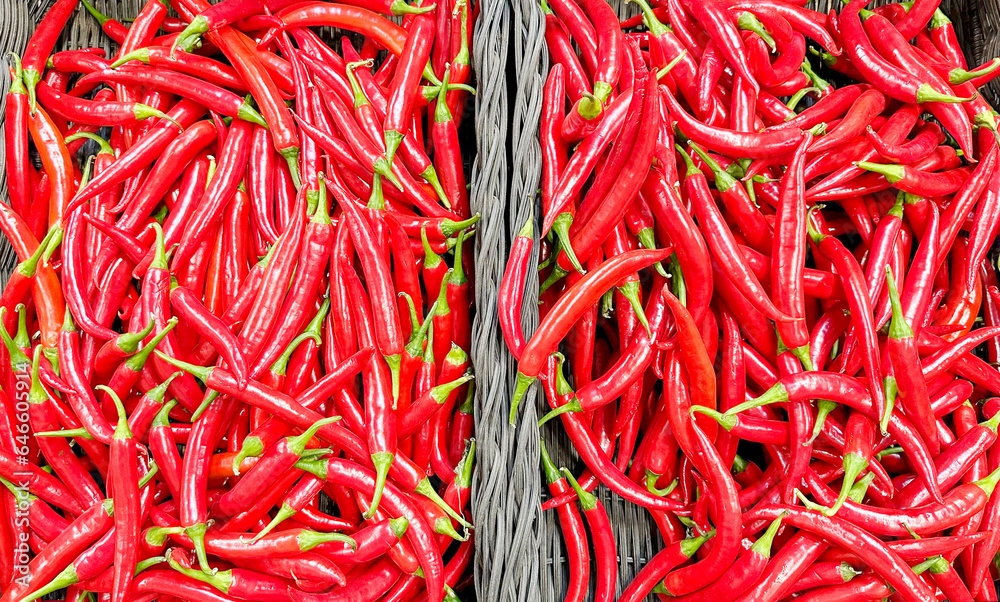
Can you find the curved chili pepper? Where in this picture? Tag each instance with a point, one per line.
(589, 232)
(881, 559)
(897, 83)
(573, 303)
(705, 457)
(848, 391)
(730, 143)
(603, 540)
(74, 372)
(960, 503)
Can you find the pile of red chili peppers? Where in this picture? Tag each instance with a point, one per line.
(234, 360)
(769, 310)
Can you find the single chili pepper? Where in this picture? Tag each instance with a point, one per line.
(888, 565)
(603, 540)
(123, 474)
(858, 117)
(447, 155)
(826, 109)
(889, 41)
(573, 303)
(922, 144)
(825, 573)
(910, 180)
(901, 350)
(739, 204)
(210, 70)
(242, 54)
(691, 249)
(573, 532)
(512, 285)
(610, 48)
(413, 60)
(859, 302)
(212, 97)
(16, 136)
(627, 369)
(788, 256)
(693, 440)
(959, 504)
(113, 28)
(298, 503)
(64, 462)
(984, 228)
(304, 567)
(896, 82)
(563, 55)
(752, 144)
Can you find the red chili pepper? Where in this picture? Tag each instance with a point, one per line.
(580, 297)
(87, 528)
(859, 303)
(573, 532)
(16, 140)
(888, 565)
(750, 144)
(593, 226)
(418, 534)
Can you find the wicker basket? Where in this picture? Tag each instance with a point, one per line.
(538, 541)
(490, 175)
